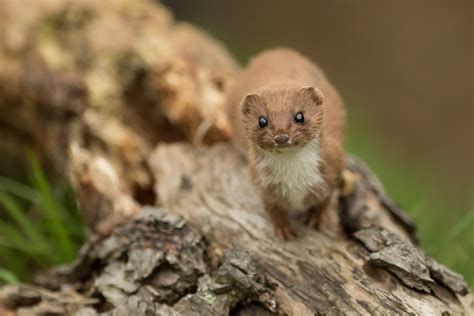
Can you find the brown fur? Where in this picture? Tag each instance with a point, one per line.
(277, 84)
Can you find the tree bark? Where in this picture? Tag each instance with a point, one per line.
(377, 269)
(134, 101)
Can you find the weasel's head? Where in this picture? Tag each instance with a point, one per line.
(280, 119)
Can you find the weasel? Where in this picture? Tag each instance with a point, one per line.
(291, 121)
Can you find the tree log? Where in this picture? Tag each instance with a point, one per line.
(323, 271)
(106, 79)
(94, 86)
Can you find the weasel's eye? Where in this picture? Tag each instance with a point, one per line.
(299, 118)
(262, 122)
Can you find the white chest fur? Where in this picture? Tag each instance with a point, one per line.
(294, 171)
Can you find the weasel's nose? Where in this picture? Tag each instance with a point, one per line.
(281, 139)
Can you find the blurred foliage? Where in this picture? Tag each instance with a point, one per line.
(39, 226)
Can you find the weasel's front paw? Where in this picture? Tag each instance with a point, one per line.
(286, 232)
(312, 218)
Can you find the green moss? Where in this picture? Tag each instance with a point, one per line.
(209, 296)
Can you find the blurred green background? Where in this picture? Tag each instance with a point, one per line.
(405, 71)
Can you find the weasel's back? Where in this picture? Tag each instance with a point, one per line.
(282, 66)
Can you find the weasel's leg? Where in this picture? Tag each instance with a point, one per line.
(281, 222)
(313, 214)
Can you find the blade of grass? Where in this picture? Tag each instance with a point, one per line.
(14, 261)
(462, 225)
(13, 245)
(25, 224)
(454, 236)
(7, 276)
(13, 239)
(39, 258)
(51, 210)
(18, 189)
(69, 210)
(11, 233)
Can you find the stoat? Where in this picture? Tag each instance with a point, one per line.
(291, 121)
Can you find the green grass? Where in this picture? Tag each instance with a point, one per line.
(39, 226)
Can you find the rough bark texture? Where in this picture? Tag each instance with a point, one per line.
(324, 271)
(94, 86)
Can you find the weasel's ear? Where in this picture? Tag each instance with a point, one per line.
(247, 103)
(315, 94)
